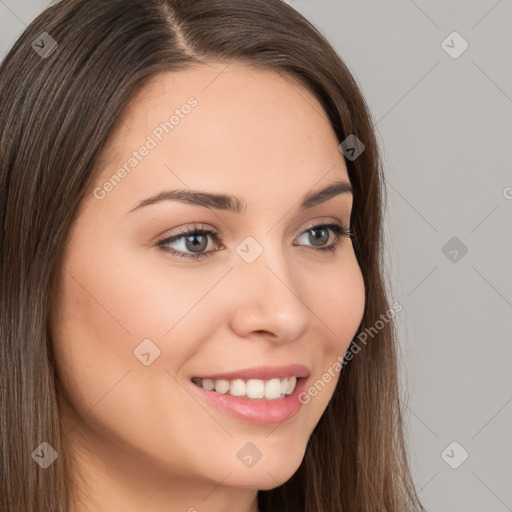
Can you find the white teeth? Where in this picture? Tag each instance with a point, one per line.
(208, 384)
(291, 385)
(284, 386)
(252, 388)
(237, 387)
(272, 389)
(255, 388)
(222, 386)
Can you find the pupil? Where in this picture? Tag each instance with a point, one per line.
(196, 246)
(323, 239)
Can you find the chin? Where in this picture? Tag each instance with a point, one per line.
(274, 468)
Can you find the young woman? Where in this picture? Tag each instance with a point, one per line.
(190, 243)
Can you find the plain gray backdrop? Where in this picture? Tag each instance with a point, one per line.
(437, 77)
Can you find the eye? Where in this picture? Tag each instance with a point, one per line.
(193, 242)
(320, 235)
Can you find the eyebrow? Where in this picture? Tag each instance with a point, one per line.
(234, 204)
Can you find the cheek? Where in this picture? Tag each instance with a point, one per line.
(115, 303)
(92, 340)
(336, 300)
(102, 317)
(340, 304)
(108, 305)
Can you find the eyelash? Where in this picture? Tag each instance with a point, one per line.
(337, 229)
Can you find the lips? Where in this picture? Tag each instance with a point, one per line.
(260, 372)
(260, 410)
(275, 406)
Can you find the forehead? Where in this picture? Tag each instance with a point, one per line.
(224, 127)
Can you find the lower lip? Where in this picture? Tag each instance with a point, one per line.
(260, 410)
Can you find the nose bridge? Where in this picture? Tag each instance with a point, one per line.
(267, 298)
(262, 261)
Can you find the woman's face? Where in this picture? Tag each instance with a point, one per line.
(136, 323)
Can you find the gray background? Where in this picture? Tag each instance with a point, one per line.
(445, 127)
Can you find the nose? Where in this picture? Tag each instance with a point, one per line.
(266, 299)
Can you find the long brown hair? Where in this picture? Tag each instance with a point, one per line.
(58, 109)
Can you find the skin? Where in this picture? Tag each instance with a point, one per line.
(141, 440)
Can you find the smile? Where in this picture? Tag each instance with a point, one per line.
(273, 389)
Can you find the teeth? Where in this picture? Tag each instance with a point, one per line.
(252, 388)
(284, 386)
(237, 388)
(291, 385)
(208, 384)
(255, 388)
(222, 386)
(272, 389)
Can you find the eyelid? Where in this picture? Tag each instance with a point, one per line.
(321, 221)
(196, 226)
(185, 230)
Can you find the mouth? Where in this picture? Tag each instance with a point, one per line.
(263, 395)
(252, 389)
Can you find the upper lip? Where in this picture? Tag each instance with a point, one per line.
(261, 372)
